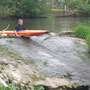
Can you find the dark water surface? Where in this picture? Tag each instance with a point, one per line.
(51, 24)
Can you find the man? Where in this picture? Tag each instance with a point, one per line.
(19, 27)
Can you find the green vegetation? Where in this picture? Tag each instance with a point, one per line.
(45, 62)
(83, 31)
(23, 8)
(39, 8)
(88, 40)
(40, 88)
(82, 6)
(15, 87)
(11, 41)
(10, 87)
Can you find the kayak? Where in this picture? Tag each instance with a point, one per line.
(25, 33)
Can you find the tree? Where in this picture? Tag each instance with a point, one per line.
(84, 6)
(23, 8)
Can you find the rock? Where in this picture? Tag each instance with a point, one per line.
(52, 34)
(3, 83)
(54, 83)
(3, 61)
(65, 33)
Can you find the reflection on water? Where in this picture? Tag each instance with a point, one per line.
(52, 24)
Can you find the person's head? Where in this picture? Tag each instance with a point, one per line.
(20, 21)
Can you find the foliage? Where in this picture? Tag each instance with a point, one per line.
(89, 22)
(11, 41)
(40, 88)
(70, 3)
(88, 41)
(10, 87)
(83, 6)
(15, 87)
(82, 31)
(23, 8)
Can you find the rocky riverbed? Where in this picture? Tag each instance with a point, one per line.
(49, 61)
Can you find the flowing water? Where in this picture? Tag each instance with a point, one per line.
(55, 56)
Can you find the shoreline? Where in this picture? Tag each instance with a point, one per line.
(52, 14)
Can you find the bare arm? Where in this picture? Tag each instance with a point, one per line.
(16, 33)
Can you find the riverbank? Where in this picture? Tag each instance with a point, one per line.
(54, 69)
(67, 13)
(53, 13)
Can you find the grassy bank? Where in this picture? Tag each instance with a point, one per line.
(83, 31)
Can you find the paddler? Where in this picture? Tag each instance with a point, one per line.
(19, 27)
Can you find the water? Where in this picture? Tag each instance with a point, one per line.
(52, 24)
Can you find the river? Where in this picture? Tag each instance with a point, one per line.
(52, 24)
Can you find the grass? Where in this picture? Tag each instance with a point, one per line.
(12, 55)
(61, 10)
(57, 10)
(10, 87)
(11, 41)
(88, 40)
(83, 31)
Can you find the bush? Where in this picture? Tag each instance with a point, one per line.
(88, 40)
(23, 8)
(82, 31)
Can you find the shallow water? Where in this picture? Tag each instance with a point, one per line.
(52, 24)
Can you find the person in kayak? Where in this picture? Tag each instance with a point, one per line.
(19, 27)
